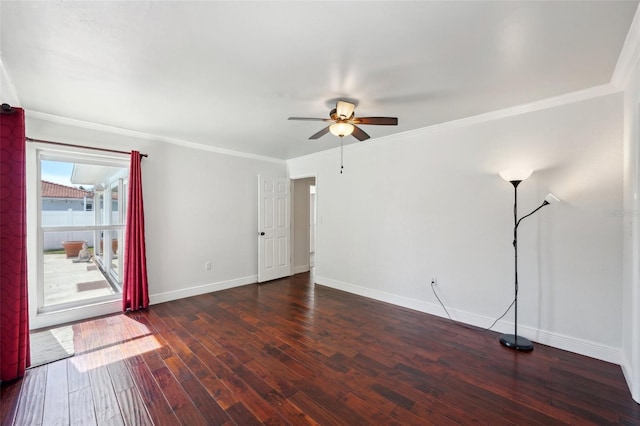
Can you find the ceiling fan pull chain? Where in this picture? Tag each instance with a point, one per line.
(341, 155)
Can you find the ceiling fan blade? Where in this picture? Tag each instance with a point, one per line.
(381, 121)
(309, 119)
(320, 134)
(359, 134)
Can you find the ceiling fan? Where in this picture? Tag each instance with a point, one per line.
(344, 122)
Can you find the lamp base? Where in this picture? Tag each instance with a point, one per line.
(518, 343)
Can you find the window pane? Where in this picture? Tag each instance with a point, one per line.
(70, 271)
(78, 192)
(72, 186)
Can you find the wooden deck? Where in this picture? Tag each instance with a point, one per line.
(290, 352)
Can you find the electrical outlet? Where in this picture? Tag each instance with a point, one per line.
(207, 266)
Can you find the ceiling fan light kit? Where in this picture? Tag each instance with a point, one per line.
(344, 123)
(344, 110)
(341, 129)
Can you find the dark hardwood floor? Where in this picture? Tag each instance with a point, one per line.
(290, 352)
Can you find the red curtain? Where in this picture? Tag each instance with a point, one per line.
(135, 289)
(14, 309)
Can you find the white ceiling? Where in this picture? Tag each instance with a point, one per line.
(229, 74)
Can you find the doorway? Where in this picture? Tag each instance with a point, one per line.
(304, 224)
(312, 225)
(80, 211)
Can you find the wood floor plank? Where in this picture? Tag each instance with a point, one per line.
(177, 398)
(77, 373)
(208, 407)
(132, 408)
(295, 353)
(315, 410)
(56, 402)
(9, 397)
(242, 416)
(81, 408)
(120, 376)
(32, 397)
(104, 398)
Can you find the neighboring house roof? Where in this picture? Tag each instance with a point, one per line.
(55, 190)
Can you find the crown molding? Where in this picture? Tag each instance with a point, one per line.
(543, 104)
(145, 136)
(629, 54)
(556, 101)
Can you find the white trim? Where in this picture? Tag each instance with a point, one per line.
(543, 104)
(627, 371)
(65, 228)
(300, 269)
(629, 54)
(201, 289)
(304, 175)
(575, 344)
(48, 319)
(145, 136)
(566, 99)
(557, 340)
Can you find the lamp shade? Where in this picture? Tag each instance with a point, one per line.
(344, 109)
(341, 129)
(512, 175)
(550, 198)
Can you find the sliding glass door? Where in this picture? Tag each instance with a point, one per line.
(81, 217)
(110, 216)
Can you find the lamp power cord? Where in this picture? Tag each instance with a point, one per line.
(435, 293)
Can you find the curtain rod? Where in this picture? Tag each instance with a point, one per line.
(81, 146)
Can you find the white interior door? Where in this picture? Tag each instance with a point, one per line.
(274, 229)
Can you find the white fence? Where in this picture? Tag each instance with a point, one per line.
(53, 240)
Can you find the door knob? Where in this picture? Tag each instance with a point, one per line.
(262, 233)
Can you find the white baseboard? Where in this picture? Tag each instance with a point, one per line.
(50, 319)
(576, 345)
(200, 289)
(627, 371)
(557, 340)
(300, 269)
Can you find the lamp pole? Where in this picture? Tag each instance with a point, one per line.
(514, 341)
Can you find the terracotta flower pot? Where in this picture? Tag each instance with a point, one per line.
(72, 248)
(114, 246)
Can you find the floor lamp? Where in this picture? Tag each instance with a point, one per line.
(514, 341)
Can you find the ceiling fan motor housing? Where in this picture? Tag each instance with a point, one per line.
(334, 116)
(345, 122)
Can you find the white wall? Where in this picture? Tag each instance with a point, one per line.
(7, 90)
(430, 203)
(631, 240)
(203, 207)
(200, 206)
